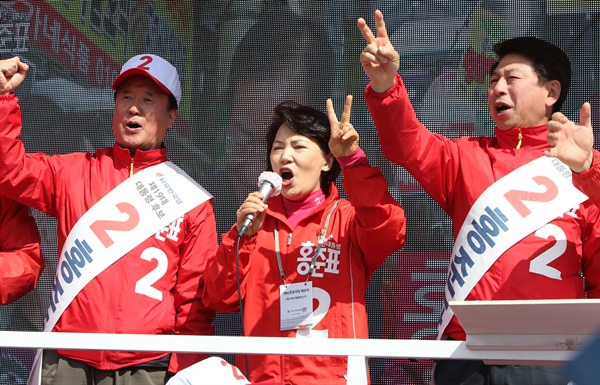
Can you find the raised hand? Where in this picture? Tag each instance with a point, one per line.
(572, 142)
(12, 74)
(379, 58)
(344, 138)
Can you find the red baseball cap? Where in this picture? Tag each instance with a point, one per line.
(156, 68)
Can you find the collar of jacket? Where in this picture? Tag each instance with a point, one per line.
(535, 136)
(141, 159)
(277, 210)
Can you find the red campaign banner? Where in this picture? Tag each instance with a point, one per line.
(412, 293)
(477, 66)
(32, 25)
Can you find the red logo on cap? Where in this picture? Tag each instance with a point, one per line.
(146, 63)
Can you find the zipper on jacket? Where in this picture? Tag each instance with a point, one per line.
(518, 144)
(289, 240)
(131, 168)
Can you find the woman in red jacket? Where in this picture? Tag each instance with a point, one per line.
(305, 261)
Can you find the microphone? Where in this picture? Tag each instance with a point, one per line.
(269, 184)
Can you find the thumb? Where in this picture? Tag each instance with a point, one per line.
(585, 115)
(23, 67)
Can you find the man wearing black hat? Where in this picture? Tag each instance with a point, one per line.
(521, 230)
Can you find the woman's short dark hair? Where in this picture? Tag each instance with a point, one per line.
(306, 121)
(549, 62)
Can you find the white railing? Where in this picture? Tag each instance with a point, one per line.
(357, 350)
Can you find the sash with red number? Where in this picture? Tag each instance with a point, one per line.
(133, 211)
(501, 217)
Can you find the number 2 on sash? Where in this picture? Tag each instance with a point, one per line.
(517, 197)
(101, 226)
(541, 263)
(144, 285)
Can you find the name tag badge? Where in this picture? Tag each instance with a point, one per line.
(296, 304)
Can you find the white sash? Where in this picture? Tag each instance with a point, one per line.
(133, 211)
(507, 211)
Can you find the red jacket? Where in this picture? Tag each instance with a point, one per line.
(365, 230)
(589, 181)
(21, 260)
(65, 187)
(456, 172)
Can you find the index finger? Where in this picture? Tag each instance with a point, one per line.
(365, 31)
(331, 113)
(347, 108)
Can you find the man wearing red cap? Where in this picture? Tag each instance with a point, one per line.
(134, 231)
